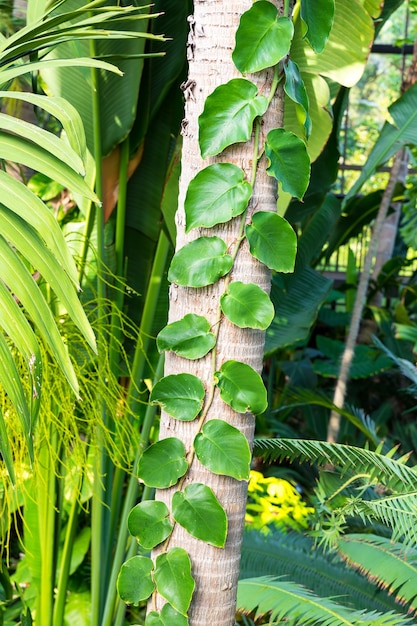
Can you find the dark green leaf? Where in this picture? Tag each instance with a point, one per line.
(149, 522)
(163, 463)
(262, 39)
(189, 337)
(247, 306)
(289, 162)
(218, 193)
(135, 583)
(173, 579)
(296, 90)
(241, 387)
(223, 449)
(200, 263)
(228, 115)
(272, 241)
(318, 16)
(200, 513)
(180, 395)
(167, 617)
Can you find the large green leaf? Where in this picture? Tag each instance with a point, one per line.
(167, 617)
(200, 263)
(318, 17)
(180, 395)
(189, 337)
(149, 522)
(288, 161)
(135, 583)
(263, 38)
(197, 509)
(174, 580)
(228, 115)
(272, 241)
(163, 463)
(241, 387)
(218, 193)
(223, 449)
(246, 305)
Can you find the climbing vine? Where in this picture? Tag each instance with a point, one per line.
(221, 192)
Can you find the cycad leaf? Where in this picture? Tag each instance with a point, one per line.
(398, 512)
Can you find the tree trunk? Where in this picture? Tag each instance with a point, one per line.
(211, 41)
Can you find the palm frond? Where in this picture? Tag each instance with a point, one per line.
(283, 599)
(393, 473)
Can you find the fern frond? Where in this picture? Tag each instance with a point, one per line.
(283, 599)
(379, 467)
(389, 564)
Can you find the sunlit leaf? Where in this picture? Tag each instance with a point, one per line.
(180, 395)
(318, 16)
(197, 509)
(272, 241)
(189, 337)
(173, 578)
(241, 387)
(218, 193)
(288, 160)
(247, 305)
(163, 463)
(200, 263)
(228, 115)
(134, 582)
(223, 449)
(149, 522)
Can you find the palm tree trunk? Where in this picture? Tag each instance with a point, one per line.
(211, 41)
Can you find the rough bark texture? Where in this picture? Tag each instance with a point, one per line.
(211, 42)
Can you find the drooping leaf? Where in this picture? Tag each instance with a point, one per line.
(200, 263)
(272, 241)
(189, 337)
(173, 578)
(318, 16)
(247, 305)
(223, 449)
(228, 115)
(149, 522)
(134, 582)
(288, 160)
(180, 395)
(263, 38)
(218, 193)
(241, 387)
(295, 89)
(197, 509)
(167, 617)
(163, 463)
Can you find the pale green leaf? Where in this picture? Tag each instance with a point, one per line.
(200, 263)
(223, 449)
(218, 193)
(180, 395)
(173, 578)
(163, 463)
(272, 241)
(11, 381)
(241, 387)
(288, 161)
(263, 38)
(247, 305)
(228, 115)
(318, 16)
(189, 337)
(197, 509)
(134, 582)
(149, 522)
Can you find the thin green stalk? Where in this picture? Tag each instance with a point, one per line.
(89, 226)
(129, 502)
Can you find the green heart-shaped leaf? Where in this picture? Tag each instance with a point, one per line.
(241, 387)
(228, 115)
(247, 306)
(149, 522)
(189, 337)
(167, 617)
(180, 395)
(289, 162)
(263, 38)
(318, 16)
(163, 463)
(200, 263)
(218, 193)
(173, 578)
(200, 513)
(135, 583)
(223, 449)
(272, 241)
